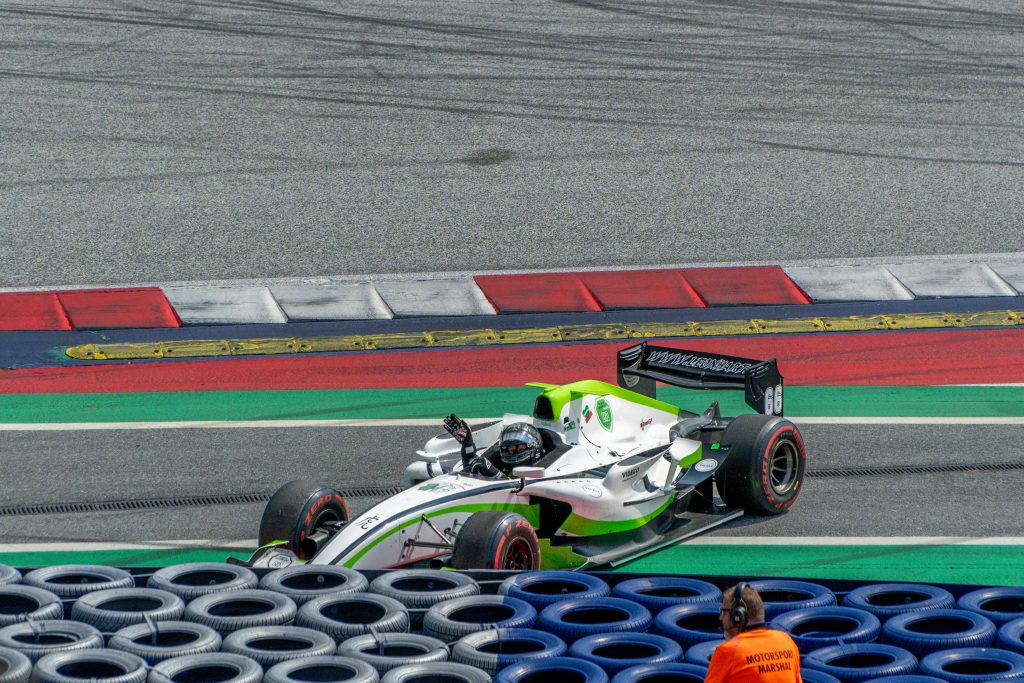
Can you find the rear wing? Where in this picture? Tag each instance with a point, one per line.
(641, 367)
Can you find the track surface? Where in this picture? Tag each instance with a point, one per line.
(195, 140)
(97, 466)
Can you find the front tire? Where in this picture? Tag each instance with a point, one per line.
(494, 539)
(764, 471)
(296, 511)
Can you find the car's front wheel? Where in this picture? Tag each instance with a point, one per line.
(304, 515)
(495, 539)
(764, 471)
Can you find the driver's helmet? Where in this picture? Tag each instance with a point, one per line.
(520, 443)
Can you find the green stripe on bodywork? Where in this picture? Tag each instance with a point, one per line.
(566, 393)
(530, 512)
(584, 526)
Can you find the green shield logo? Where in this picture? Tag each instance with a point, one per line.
(604, 413)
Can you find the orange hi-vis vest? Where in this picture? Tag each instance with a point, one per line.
(760, 655)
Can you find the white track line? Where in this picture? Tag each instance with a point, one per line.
(257, 424)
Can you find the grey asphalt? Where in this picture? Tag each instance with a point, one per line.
(101, 466)
(208, 140)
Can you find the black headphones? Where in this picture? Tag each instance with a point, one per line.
(738, 611)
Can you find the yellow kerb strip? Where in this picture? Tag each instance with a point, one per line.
(560, 333)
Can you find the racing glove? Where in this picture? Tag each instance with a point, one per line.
(460, 431)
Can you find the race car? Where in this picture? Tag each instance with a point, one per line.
(622, 474)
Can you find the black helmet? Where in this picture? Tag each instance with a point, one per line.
(520, 443)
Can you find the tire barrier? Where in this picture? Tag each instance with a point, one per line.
(386, 651)
(579, 617)
(819, 627)
(194, 579)
(14, 666)
(816, 676)
(658, 592)
(492, 650)
(564, 669)
(940, 629)
(450, 672)
(1011, 636)
(19, 602)
(973, 665)
(9, 575)
(686, 673)
(909, 678)
(238, 609)
(112, 609)
(861, 661)
(157, 641)
(70, 581)
(785, 595)
(886, 600)
(223, 667)
(88, 666)
(419, 589)
(36, 639)
(700, 654)
(541, 588)
(304, 582)
(689, 624)
(331, 669)
(999, 604)
(615, 652)
(452, 619)
(354, 614)
(270, 645)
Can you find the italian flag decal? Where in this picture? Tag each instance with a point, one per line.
(587, 414)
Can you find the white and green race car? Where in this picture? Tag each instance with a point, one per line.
(622, 474)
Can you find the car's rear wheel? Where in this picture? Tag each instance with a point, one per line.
(302, 514)
(764, 470)
(495, 539)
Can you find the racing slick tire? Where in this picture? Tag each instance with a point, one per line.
(938, 629)
(270, 645)
(223, 667)
(19, 603)
(1000, 604)
(354, 614)
(235, 610)
(658, 592)
(69, 581)
(386, 651)
(855, 662)
(112, 609)
(9, 575)
(662, 671)
(303, 582)
(1011, 636)
(14, 666)
(818, 627)
(577, 618)
(495, 539)
(85, 666)
(614, 652)
(541, 588)
(60, 635)
(495, 648)
(886, 600)
(554, 669)
(452, 619)
(764, 470)
(329, 669)
(194, 579)
(973, 665)
(165, 639)
(295, 511)
(450, 672)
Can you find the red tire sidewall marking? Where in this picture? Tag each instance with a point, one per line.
(766, 484)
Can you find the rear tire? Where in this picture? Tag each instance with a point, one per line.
(764, 471)
(495, 539)
(296, 510)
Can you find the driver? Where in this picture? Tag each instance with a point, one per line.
(519, 444)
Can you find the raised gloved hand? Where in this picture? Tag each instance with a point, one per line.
(458, 428)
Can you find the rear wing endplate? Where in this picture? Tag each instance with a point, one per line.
(641, 367)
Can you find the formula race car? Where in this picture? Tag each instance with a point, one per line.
(622, 474)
